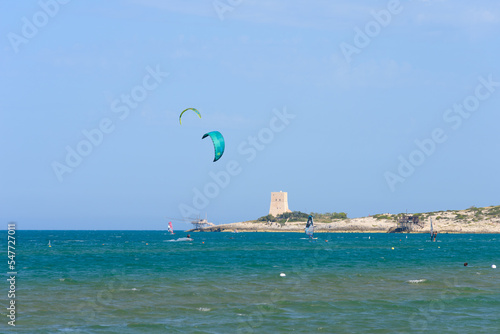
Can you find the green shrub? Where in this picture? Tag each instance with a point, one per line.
(268, 218)
(494, 211)
(339, 215)
(381, 216)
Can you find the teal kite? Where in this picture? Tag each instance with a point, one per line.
(193, 109)
(218, 141)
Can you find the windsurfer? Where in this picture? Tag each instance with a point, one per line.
(170, 228)
(310, 227)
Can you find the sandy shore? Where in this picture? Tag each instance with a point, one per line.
(474, 220)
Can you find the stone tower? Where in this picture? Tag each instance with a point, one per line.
(279, 203)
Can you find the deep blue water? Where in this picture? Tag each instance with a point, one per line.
(139, 282)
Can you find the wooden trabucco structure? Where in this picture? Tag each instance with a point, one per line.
(408, 223)
(201, 223)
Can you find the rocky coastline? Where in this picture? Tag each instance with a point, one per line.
(472, 220)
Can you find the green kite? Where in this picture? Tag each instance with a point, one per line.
(193, 109)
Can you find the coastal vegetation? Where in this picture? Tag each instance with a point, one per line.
(383, 216)
(329, 216)
(294, 216)
(298, 216)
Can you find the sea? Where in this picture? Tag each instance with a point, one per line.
(151, 282)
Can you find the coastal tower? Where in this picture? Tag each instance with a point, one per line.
(279, 203)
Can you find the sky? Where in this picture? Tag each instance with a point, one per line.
(361, 107)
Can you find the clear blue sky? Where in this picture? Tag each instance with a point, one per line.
(356, 85)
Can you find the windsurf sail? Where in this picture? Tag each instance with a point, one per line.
(432, 229)
(310, 227)
(170, 228)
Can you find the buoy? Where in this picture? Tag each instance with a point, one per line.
(392, 247)
(282, 275)
(493, 266)
(203, 242)
(147, 244)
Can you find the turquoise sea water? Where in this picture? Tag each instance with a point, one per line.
(139, 282)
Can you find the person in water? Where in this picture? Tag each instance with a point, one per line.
(188, 236)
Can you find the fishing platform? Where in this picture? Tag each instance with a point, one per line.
(201, 223)
(407, 224)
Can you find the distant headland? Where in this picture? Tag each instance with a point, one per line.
(471, 220)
